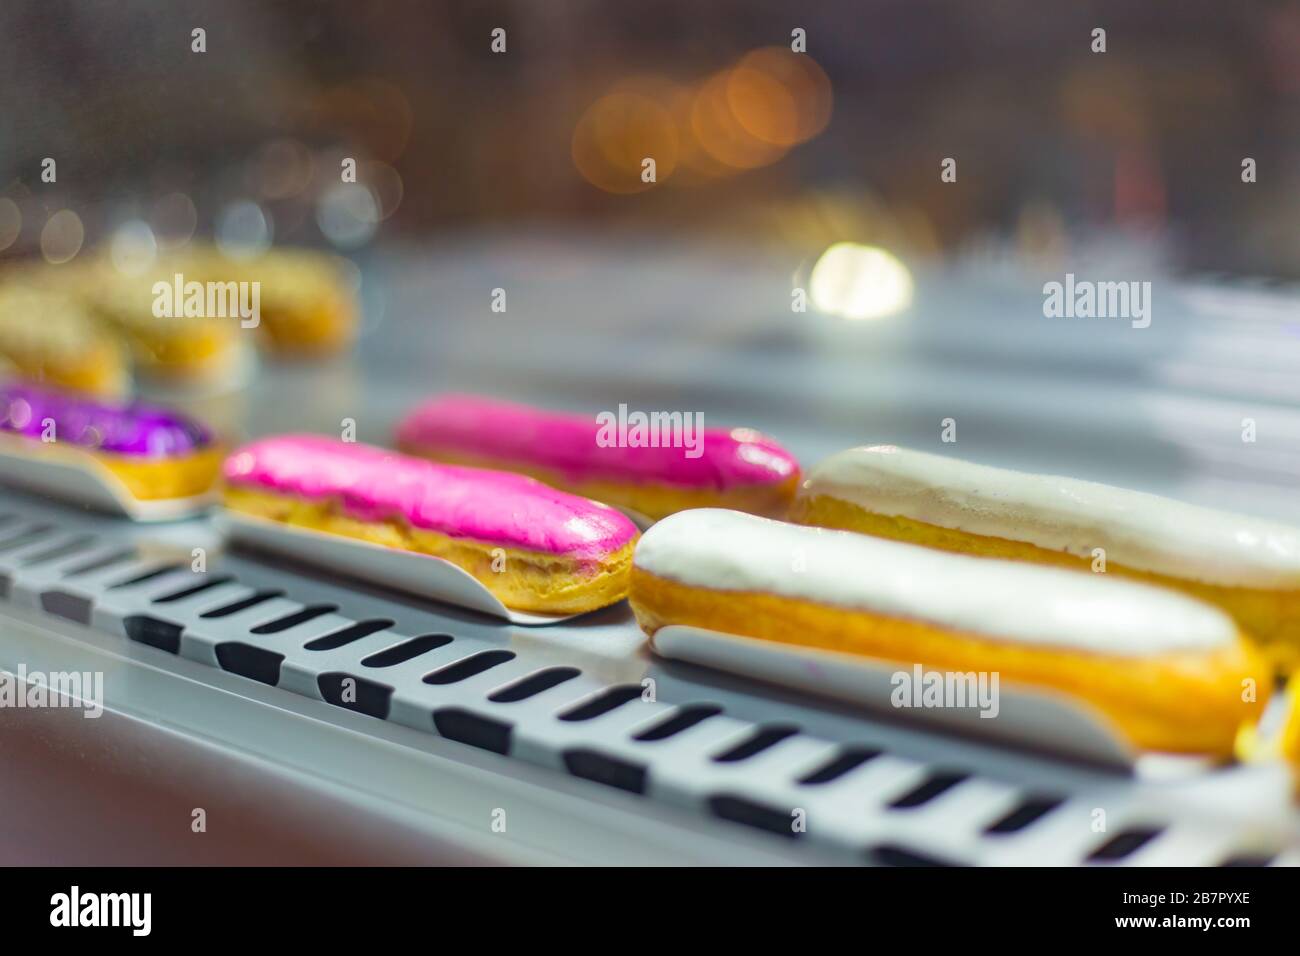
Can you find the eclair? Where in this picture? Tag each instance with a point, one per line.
(308, 307)
(305, 304)
(1247, 566)
(535, 548)
(167, 344)
(50, 337)
(1169, 673)
(605, 457)
(292, 302)
(1289, 739)
(155, 454)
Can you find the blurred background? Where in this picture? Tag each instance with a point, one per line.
(522, 169)
(843, 142)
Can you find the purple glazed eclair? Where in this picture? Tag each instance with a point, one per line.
(155, 453)
(535, 548)
(605, 459)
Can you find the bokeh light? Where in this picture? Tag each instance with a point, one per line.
(348, 214)
(721, 134)
(858, 282)
(282, 169)
(133, 248)
(173, 220)
(617, 134)
(697, 165)
(740, 118)
(778, 96)
(385, 183)
(762, 106)
(244, 230)
(62, 236)
(11, 222)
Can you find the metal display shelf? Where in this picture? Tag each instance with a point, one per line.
(707, 753)
(472, 740)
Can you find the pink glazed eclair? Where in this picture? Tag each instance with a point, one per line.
(535, 548)
(605, 458)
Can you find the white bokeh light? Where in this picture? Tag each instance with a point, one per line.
(860, 282)
(244, 230)
(133, 247)
(348, 214)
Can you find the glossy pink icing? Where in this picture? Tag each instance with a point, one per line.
(566, 444)
(495, 507)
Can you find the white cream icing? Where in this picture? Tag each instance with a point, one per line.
(1005, 600)
(1138, 530)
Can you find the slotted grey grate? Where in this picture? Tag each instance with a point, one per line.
(810, 774)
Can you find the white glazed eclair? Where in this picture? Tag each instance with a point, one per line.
(1247, 566)
(1165, 670)
(1289, 738)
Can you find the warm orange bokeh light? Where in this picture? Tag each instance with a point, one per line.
(781, 97)
(763, 106)
(721, 135)
(740, 118)
(617, 134)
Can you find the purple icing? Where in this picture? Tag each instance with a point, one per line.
(144, 431)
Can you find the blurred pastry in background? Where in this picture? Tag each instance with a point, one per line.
(169, 346)
(166, 345)
(308, 305)
(292, 302)
(192, 317)
(601, 457)
(47, 336)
